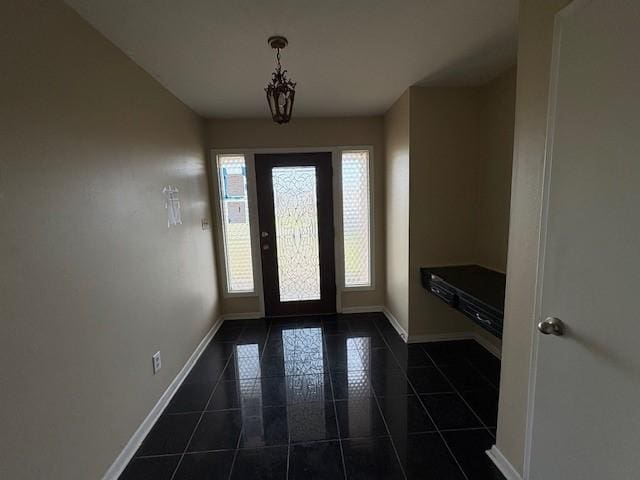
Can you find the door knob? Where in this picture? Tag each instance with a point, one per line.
(551, 326)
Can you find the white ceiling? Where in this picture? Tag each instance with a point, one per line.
(349, 57)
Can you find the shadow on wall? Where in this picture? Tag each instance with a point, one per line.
(472, 63)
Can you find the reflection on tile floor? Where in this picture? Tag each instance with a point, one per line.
(337, 396)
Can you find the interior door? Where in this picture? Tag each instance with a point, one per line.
(586, 410)
(295, 206)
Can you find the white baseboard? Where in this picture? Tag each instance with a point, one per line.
(395, 323)
(122, 460)
(439, 337)
(490, 347)
(509, 472)
(364, 309)
(443, 337)
(241, 316)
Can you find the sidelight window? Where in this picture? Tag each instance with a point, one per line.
(236, 233)
(356, 218)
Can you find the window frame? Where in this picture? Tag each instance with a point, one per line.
(339, 220)
(219, 219)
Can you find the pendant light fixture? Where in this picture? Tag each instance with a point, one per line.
(280, 91)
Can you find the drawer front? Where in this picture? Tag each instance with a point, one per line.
(442, 292)
(479, 315)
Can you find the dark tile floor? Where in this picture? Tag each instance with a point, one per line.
(331, 397)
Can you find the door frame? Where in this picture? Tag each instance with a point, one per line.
(558, 25)
(254, 224)
(321, 163)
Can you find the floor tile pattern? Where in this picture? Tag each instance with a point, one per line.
(327, 397)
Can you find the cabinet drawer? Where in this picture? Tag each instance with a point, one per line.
(442, 291)
(480, 315)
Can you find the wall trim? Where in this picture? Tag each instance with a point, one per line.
(500, 461)
(127, 453)
(241, 316)
(363, 309)
(396, 324)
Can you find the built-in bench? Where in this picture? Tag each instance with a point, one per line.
(475, 291)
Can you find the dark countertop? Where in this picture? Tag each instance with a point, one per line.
(482, 284)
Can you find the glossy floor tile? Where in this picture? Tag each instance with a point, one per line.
(371, 459)
(327, 397)
(318, 460)
(169, 435)
(261, 464)
(469, 448)
(449, 411)
(151, 468)
(205, 466)
(425, 456)
(216, 431)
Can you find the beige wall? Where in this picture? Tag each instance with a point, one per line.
(461, 144)
(446, 156)
(92, 282)
(498, 100)
(534, 57)
(312, 132)
(396, 176)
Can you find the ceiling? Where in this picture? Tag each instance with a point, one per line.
(349, 57)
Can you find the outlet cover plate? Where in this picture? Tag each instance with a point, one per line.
(157, 362)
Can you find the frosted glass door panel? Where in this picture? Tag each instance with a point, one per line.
(296, 221)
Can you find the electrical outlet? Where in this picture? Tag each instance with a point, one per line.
(157, 362)
(205, 224)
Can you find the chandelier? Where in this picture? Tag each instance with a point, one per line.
(281, 90)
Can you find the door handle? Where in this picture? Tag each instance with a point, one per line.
(551, 326)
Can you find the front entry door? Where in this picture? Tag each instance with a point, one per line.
(586, 415)
(295, 206)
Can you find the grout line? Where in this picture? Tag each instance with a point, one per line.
(384, 420)
(235, 453)
(386, 426)
(455, 389)
(333, 400)
(479, 372)
(256, 380)
(202, 414)
(288, 457)
(159, 455)
(423, 405)
(459, 395)
(262, 355)
(462, 429)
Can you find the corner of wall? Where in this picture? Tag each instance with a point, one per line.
(536, 21)
(396, 205)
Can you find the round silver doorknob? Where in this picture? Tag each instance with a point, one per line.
(551, 326)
